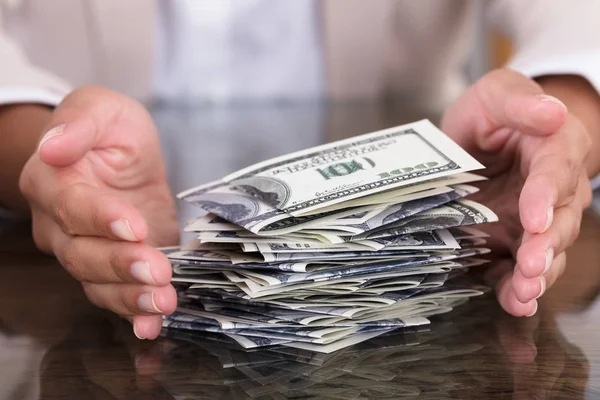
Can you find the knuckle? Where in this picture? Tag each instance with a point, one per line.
(67, 201)
(128, 302)
(117, 270)
(62, 211)
(70, 259)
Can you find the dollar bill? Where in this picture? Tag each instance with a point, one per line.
(364, 218)
(247, 212)
(454, 214)
(344, 170)
(196, 245)
(432, 240)
(235, 237)
(286, 334)
(210, 222)
(406, 193)
(397, 212)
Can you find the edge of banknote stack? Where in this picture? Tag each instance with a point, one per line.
(333, 245)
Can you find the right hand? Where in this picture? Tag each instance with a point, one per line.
(100, 202)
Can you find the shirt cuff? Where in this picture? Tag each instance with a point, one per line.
(584, 63)
(28, 94)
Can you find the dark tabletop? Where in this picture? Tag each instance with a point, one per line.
(54, 344)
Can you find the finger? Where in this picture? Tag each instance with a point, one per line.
(81, 209)
(527, 289)
(66, 143)
(81, 123)
(99, 260)
(146, 327)
(553, 175)
(537, 251)
(116, 127)
(502, 99)
(131, 299)
(510, 303)
(556, 270)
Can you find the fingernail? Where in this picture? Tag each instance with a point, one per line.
(137, 335)
(534, 310)
(542, 287)
(146, 303)
(549, 259)
(122, 230)
(546, 97)
(57, 130)
(140, 270)
(549, 218)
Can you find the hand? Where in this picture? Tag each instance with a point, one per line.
(535, 152)
(100, 201)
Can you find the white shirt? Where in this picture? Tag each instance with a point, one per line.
(221, 51)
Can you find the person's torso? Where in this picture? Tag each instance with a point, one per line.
(253, 50)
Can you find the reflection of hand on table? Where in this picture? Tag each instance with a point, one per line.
(543, 361)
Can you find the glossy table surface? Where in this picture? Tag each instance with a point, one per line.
(54, 344)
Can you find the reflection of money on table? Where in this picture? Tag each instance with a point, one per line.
(333, 245)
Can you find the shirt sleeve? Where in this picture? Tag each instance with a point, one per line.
(551, 36)
(14, 94)
(21, 81)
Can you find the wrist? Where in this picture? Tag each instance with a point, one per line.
(21, 126)
(583, 101)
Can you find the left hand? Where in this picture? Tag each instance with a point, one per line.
(535, 153)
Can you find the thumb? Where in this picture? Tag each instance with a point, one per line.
(500, 103)
(66, 142)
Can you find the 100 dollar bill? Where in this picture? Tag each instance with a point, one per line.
(325, 175)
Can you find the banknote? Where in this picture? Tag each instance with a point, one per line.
(196, 245)
(454, 214)
(253, 214)
(418, 241)
(209, 222)
(405, 193)
(344, 170)
(400, 211)
(287, 334)
(235, 237)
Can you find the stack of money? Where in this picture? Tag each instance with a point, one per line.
(334, 245)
